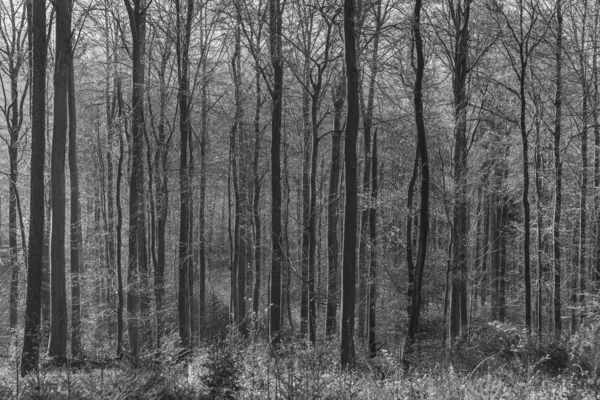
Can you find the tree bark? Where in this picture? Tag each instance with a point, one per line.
(275, 34)
(595, 105)
(333, 267)
(119, 228)
(36, 11)
(347, 355)
(422, 145)
(458, 308)
(137, 301)
(183, 293)
(57, 349)
(76, 238)
(372, 286)
(558, 172)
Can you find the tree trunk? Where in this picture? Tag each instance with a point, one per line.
(183, 293)
(36, 13)
(458, 311)
(410, 258)
(333, 274)
(347, 354)
(558, 172)
(494, 252)
(275, 34)
(57, 349)
(373, 239)
(12, 204)
(422, 145)
(595, 105)
(256, 201)
(584, 165)
(538, 187)
(306, 210)
(76, 239)
(202, 200)
(137, 300)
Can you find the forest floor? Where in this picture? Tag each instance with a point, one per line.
(499, 367)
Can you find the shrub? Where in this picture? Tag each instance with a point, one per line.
(223, 371)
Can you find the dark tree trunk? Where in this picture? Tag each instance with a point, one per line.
(422, 145)
(333, 275)
(525, 200)
(494, 252)
(558, 172)
(185, 255)
(584, 165)
(137, 299)
(595, 105)
(57, 349)
(410, 257)
(31, 340)
(202, 200)
(256, 200)
(458, 308)
(275, 34)
(373, 267)
(538, 186)
(347, 354)
(76, 238)
(120, 294)
(306, 210)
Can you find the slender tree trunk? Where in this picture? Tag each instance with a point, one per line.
(57, 349)
(410, 258)
(525, 199)
(36, 11)
(373, 238)
(333, 273)
(423, 154)
(347, 354)
(202, 199)
(111, 102)
(306, 210)
(538, 187)
(494, 252)
(458, 311)
(558, 172)
(76, 238)
(584, 165)
(185, 255)
(12, 209)
(256, 201)
(275, 34)
(119, 229)
(486, 246)
(595, 105)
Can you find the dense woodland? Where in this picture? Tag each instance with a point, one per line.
(378, 177)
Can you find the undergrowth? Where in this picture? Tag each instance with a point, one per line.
(498, 362)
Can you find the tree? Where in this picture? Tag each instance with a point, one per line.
(57, 349)
(185, 255)
(137, 266)
(558, 171)
(424, 163)
(275, 16)
(76, 238)
(333, 267)
(351, 208)
(36, 11)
